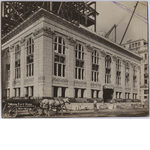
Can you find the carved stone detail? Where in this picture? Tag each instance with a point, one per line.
(89, 48)
(80, 83)
(95, 85)
(108, 86)
(123, 61)
(71, 40)
(45, 31)
(118, 88)
(28, 81)
(41, 79)
(132, 65)
(114, 58)
(59, 81)
(11, 48)
(22, 42)
(128, 88)
(135, 90)
(16, 82)
(103, 53)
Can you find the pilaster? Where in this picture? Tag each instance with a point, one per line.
(23, 66)
(71, 66)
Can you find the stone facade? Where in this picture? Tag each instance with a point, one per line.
(141, 47)
(44, 28)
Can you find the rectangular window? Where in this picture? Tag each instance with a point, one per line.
(30, 58)
(145, 81)
(59, 65)
(145, 56)
(59, 69)
(146, 91)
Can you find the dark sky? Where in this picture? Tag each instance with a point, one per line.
(110, 14)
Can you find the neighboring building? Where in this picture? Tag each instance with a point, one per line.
(47, 56)
(141, 47)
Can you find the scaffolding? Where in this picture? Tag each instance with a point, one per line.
(13, 13)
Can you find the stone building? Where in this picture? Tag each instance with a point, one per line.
(47, 56)
(141, 47)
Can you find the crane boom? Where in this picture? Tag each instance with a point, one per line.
(129, 23)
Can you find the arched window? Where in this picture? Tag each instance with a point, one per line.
(17, 62)
(79, 69)
(134, 76)
(118, 72)
(30, 57)
(95, 66)
(107, 69)
(127, 74)
(59, 57)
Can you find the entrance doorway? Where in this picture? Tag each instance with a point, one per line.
(108, 94)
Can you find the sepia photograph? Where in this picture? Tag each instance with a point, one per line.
(74, 59)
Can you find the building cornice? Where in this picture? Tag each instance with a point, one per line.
(44, 13)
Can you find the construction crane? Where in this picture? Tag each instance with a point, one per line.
(13, 13)
(109, 32)
(129, 23)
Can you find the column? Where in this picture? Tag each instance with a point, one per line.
(12, 69)
(23, 66)
(59, 91)
(70, 66)
(123, 77)
(94, 93)
(85, 93)
(17, 92)
(66, 92)
(30, 91)
(120, 96)
(99, 94)
(14, 92)
(7, 93)
(79, 93)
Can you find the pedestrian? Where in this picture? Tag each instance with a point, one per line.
(95, 105)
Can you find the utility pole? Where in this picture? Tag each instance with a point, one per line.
(128, 23)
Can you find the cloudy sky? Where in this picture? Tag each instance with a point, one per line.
(119, 13)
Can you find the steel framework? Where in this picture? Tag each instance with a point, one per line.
(14, 13)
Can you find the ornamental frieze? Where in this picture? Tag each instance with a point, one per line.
(71, 40)
(128, 88)
(80, 83)
(95, 85)
(45, 31)
(108, 86)
(119, 88)
(41, 79)
(135, 90)
(28, 81)
(16, 82)
(59, 81)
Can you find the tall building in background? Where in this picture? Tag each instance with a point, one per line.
(141, 47)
